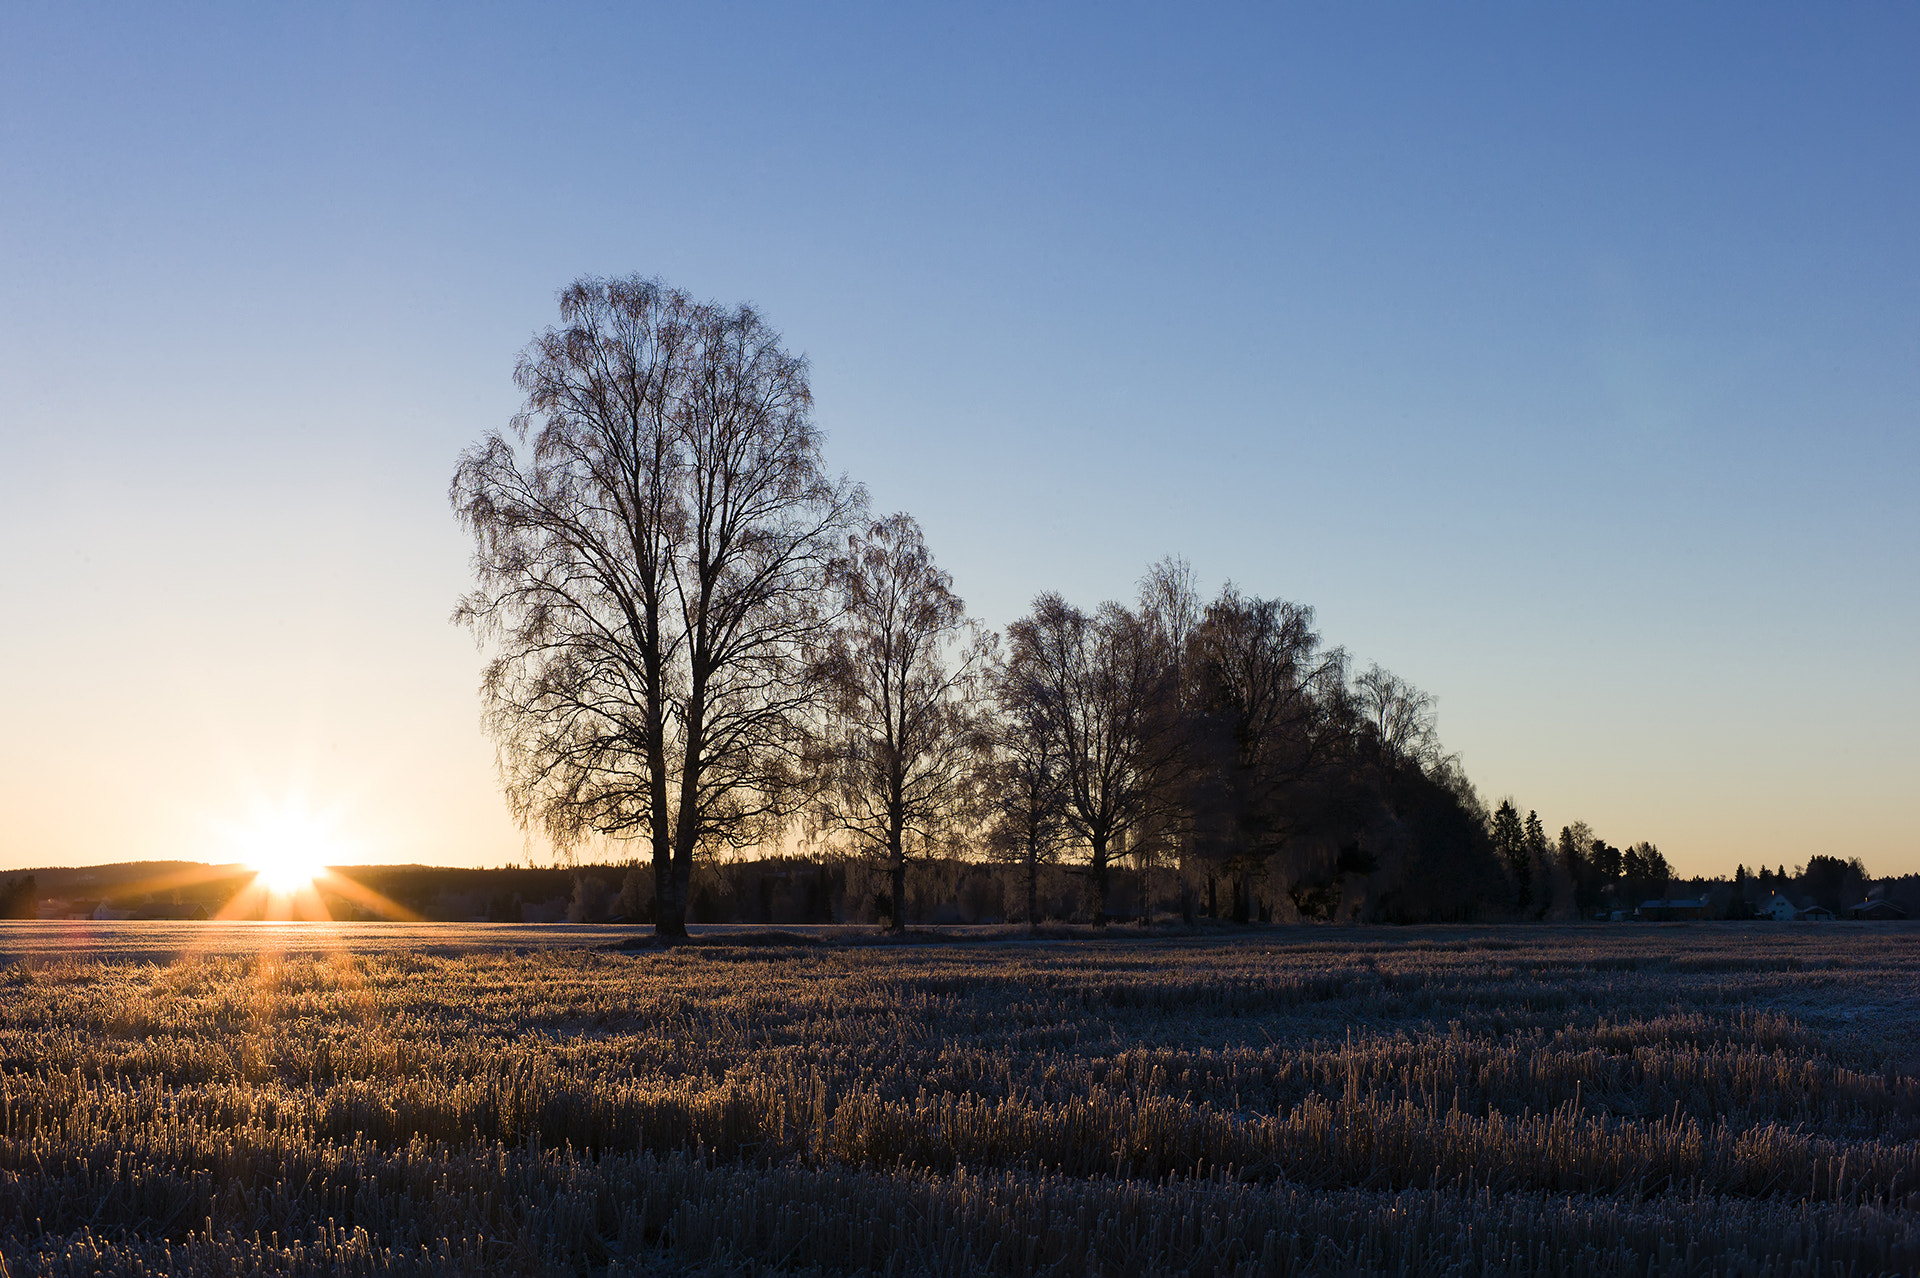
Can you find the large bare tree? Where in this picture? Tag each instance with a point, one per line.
(652, 542)
(906, 733)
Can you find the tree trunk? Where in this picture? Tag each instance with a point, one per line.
(669, 896)
(897, 862)
(672, 919)
(1033, 886)
(1099, 866)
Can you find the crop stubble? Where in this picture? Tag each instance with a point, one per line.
(1552, 1100)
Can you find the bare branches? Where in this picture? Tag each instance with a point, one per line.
(649, 550)
(1399, 715)
(905, 733)
(1102, 687)
(687, 646)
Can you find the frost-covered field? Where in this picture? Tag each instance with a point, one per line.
(1607, 1099)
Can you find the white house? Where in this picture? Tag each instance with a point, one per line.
(1779, 907)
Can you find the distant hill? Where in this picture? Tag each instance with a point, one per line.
(186, 889)
(101, 880)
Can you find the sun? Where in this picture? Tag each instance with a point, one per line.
(287, 847)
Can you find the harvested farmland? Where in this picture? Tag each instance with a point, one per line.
(1573, 1100)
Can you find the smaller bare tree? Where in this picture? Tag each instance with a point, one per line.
(1101, 686)
(1400, 715)
(1170, 609)
(900, 754)
(1024, 798)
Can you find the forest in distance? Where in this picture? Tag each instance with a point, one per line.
(777, 891)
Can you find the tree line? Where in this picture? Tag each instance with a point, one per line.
(699, 639)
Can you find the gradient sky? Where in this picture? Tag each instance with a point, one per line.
(1567, 361)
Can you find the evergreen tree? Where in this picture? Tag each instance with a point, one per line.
(1540, 867)
(1575, 850)
(1646, 871)
(1510, 841)
(1739, 907)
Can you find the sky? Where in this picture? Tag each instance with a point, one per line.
(1565, 358)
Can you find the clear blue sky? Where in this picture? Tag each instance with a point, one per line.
(1565, 359)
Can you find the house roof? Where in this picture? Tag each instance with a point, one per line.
(1879, 903)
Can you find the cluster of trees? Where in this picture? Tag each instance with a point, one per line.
(19, 898)
(699, 640)
(1831, 882)
(1577, 873)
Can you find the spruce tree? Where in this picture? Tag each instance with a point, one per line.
(1510, 841)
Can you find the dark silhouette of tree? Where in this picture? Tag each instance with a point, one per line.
(1738, 904)
(1023, 792)
(1399, 715)
(1541, 870)
(1575, 851)
(1447, 871)
(1100, 685)
(1510, 841)
(1826, 879)
(20, 898)
(652, 539)
(1644, 862)
(1644, 874)
(1169, 607)
(1272, 731)
(905, 735)
(1170, 604)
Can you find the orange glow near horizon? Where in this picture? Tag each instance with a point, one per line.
(290, 848)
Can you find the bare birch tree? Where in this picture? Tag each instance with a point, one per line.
(1170, 608)
(905, 734)
(1400, 715)
(1023, 787)
(652, 538)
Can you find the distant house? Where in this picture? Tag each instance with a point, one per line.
(1815, 914)
(1779, 908)
(1879, 909)
(1670, 909)
(190, 910)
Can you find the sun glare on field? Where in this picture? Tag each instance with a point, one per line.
(287, 846)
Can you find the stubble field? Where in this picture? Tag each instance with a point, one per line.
(1604, 1099)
